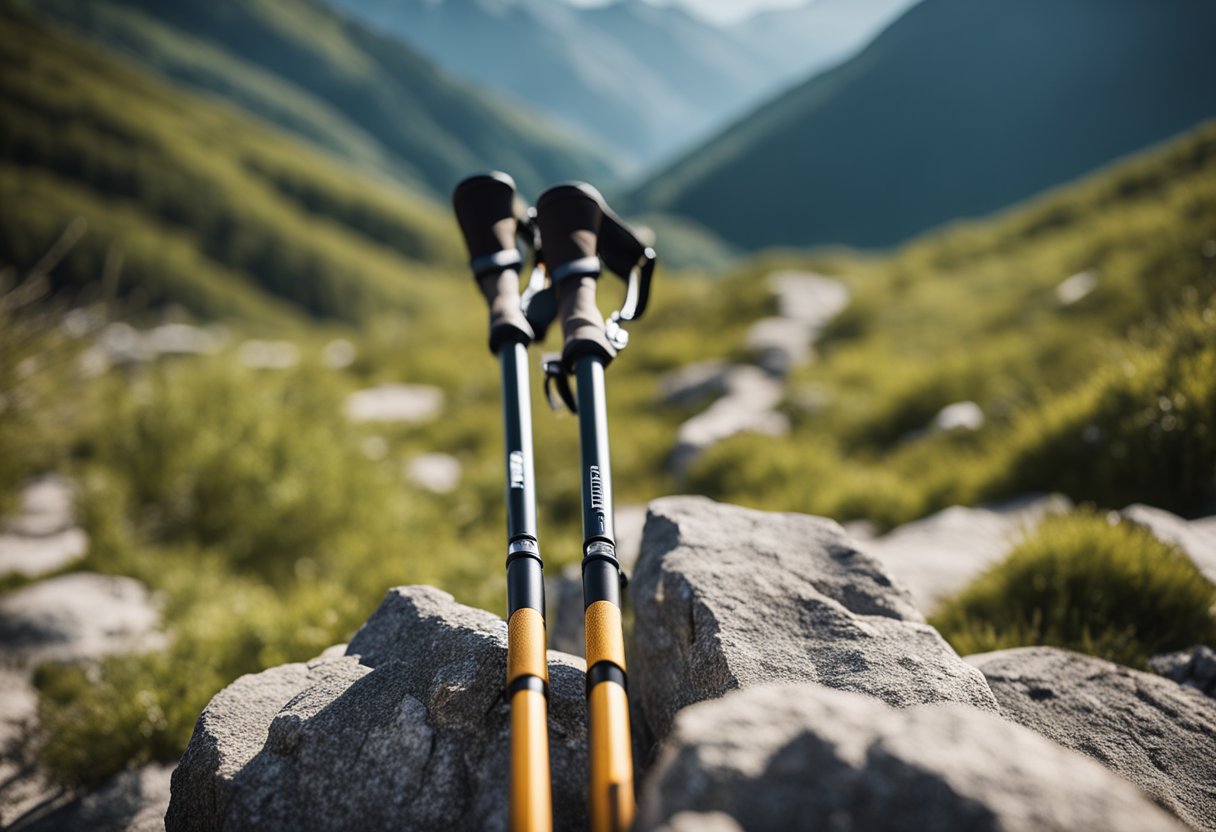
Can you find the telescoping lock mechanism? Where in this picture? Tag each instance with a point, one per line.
(572, 235)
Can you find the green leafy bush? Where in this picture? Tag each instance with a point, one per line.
(1087, 583)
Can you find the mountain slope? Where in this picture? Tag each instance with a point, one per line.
(205, 207)
(366, 97)
(808, 38)
(961, 107)
(644, 80)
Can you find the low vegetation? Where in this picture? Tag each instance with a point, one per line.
(1089, 583)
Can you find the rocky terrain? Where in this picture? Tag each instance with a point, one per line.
(780, 678)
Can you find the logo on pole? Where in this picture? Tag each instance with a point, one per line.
(515, 463)
(595, 487)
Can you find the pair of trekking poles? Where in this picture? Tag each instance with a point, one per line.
(569, 232)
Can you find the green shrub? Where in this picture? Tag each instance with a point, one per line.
(263, 467)
(1142, 429)
(1087, 583)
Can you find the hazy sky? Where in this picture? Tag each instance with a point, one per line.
(723, 11)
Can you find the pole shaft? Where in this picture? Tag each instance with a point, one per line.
(611, 766)
(517, 429)
(527, 671)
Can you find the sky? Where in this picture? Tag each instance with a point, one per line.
(720, 11)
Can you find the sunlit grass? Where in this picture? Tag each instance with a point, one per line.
(1087, 583)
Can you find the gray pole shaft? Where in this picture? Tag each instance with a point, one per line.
(593, 445)
(525, 569)
(517, 430)
(601, 571)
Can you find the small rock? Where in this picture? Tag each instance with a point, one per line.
(268, 355)
(1157, 734)
(806, 757)
(693, 383)
(1195, 537)
(77, 617)
(729, 597)
(183, 339)
(46, 508)
(1195, 668)
(1076, 288)
(34, 556)
(748, 405)
(395, 403)
(132, 801)
(806, 303)
(338, 354)
(23, 784)
(810, 299)
(959, 416)
(780, 344)
(937, 556)
(43, 535)
(438, 473)
(409, 730)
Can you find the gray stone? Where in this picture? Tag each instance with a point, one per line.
(749, 396)
(937, 556)
(693, 383)
(749, 404)
(1195, 537)
(958, 416)
(806, 757)
(76, 617)
(43, 535)
(1076, 288)
(1157, 734)
(727, 597)
(806, 303)
(268, 355)
(435, 472)
(808, 298)
(132, 801)
(407, 403)
(23, 784)
(409, 730)
(1194, 667)
(564, 609)
(780, 344)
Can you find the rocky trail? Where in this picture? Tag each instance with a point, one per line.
(780, 678)
(781, 674)
(745, 397)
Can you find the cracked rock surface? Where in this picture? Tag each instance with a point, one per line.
(408, 730)
(1154, 732)
(807, 757)
(727, 597)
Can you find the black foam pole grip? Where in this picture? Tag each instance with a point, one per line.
(485, 210)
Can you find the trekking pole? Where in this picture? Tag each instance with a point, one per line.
(575, 226)
(485, 209)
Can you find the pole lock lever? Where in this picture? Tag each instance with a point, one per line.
(557, 380)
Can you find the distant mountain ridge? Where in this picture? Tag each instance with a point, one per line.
(361, 95)
(644, 79)
(958, 109)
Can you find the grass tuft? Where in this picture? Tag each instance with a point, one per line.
(1090, 583)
